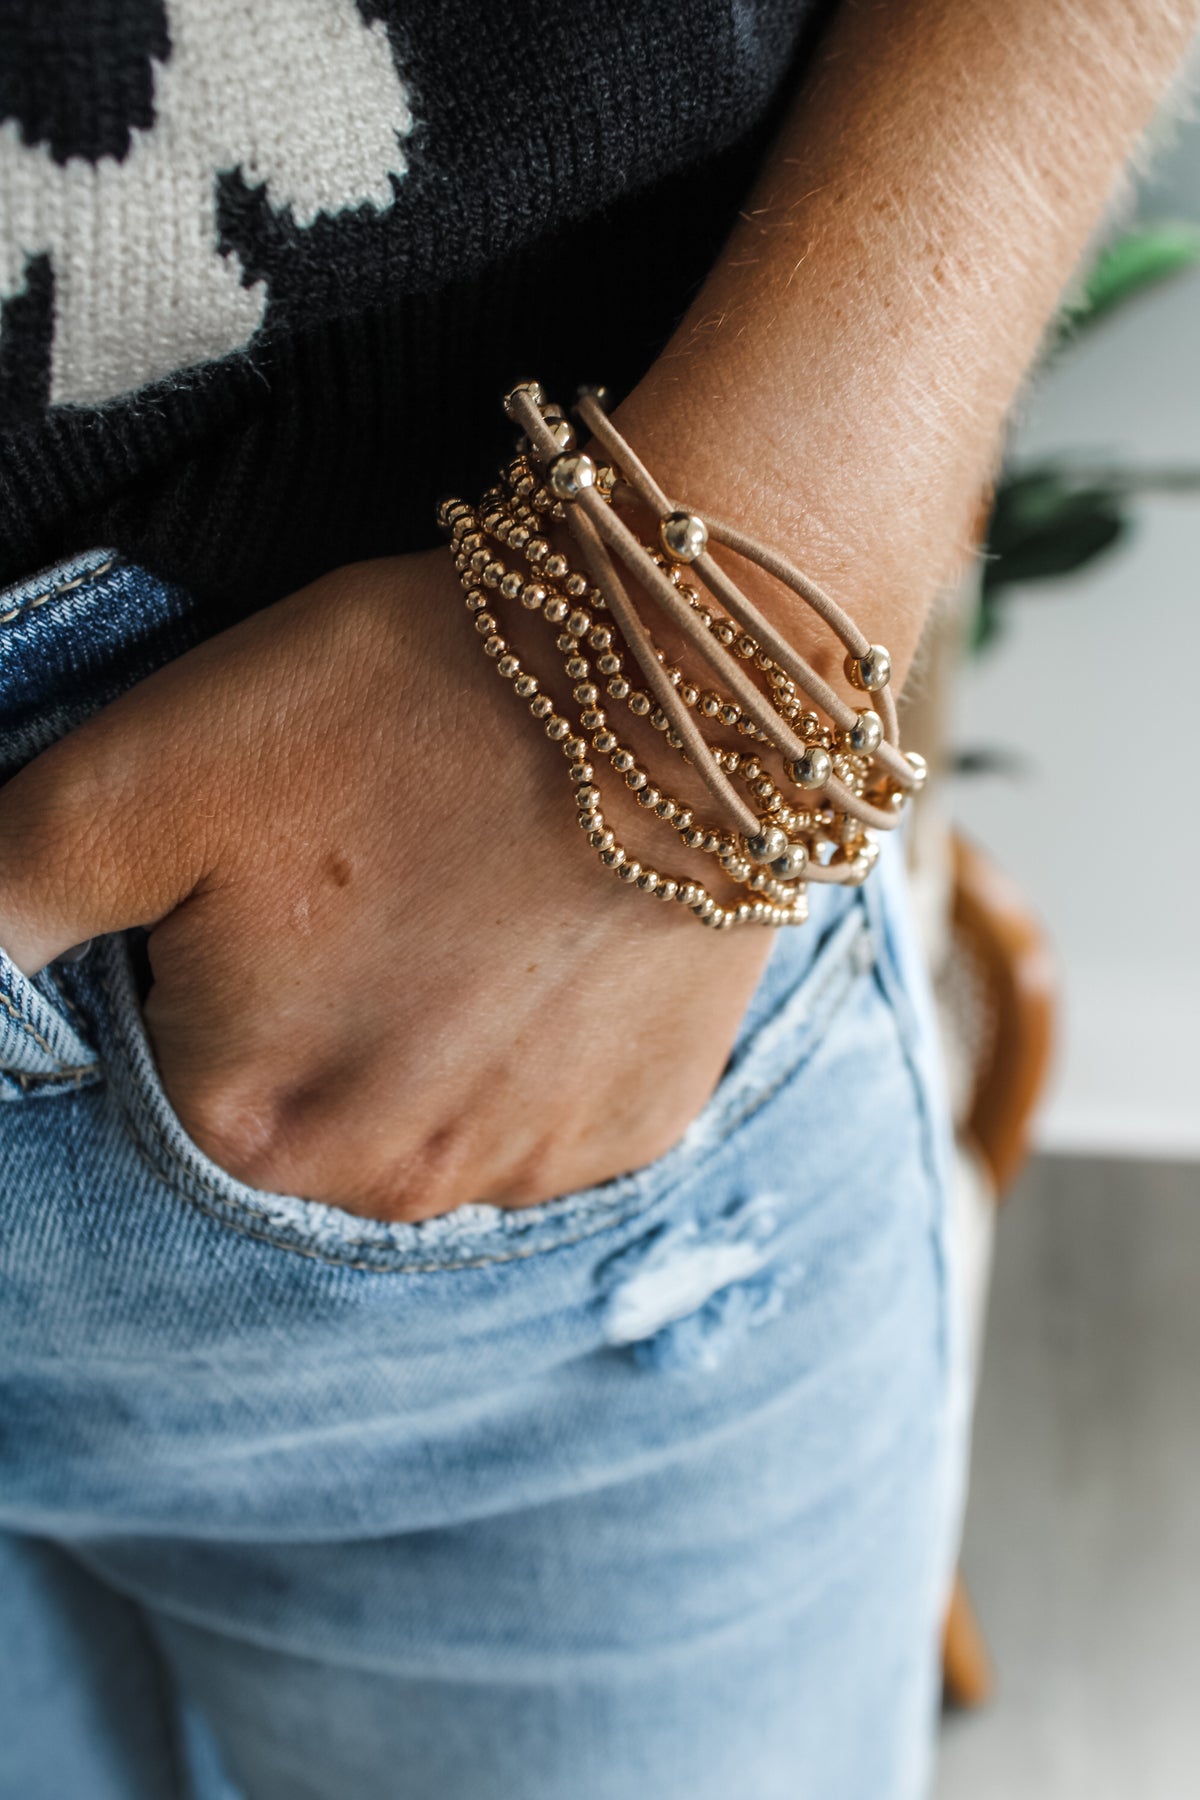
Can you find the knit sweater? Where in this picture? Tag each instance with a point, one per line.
(266, 268)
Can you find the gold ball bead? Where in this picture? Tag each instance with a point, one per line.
(569, 475)
(594, 391)
(871, 672)
(629, 871)
(866, 734)
(813, 769)
(555, 611)
(526, 686)
(533, 595)
(562, 432)
(792, 864)
(684, 536)
(528, 390)
(767, 845)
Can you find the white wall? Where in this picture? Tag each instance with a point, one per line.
(1090, 687)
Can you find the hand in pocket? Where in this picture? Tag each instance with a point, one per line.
(387, 973)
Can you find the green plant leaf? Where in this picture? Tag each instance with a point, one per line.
(1140, 260)
(1045, 525)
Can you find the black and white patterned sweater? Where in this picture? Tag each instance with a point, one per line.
(266, 265)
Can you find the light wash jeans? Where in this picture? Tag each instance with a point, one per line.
(644, 1494)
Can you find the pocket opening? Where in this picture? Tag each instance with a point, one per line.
(42, 1049)
(479, 1234)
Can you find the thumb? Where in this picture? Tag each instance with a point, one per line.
(87, 837)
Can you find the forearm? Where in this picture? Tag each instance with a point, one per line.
(842, 380)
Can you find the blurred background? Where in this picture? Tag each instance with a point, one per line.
(1073, 984)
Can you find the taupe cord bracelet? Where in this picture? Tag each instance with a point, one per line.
(842, 780)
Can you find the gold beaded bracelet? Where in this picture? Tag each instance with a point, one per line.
(849, 776)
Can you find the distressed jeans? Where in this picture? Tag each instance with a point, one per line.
(647, 1491)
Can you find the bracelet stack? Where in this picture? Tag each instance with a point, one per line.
(797, 794)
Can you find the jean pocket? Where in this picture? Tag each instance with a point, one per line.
(782, 1036)
(43, 1049)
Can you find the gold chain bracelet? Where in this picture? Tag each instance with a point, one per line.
(843, 779)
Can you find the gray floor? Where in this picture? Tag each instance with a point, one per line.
(1083, 1534)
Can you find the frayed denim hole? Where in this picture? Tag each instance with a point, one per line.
(683, 1295)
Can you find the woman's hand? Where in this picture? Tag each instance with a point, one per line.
(388, 972)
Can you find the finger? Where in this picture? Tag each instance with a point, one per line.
(87, 841)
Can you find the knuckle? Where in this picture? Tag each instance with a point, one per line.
(243, 1137)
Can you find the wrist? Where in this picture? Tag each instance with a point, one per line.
(724, 448)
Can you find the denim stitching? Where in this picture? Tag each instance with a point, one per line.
(43, 1043)
(237, 1214)
(56, 593)
(66, 1071)
(72, 1075)
(76, 1017)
